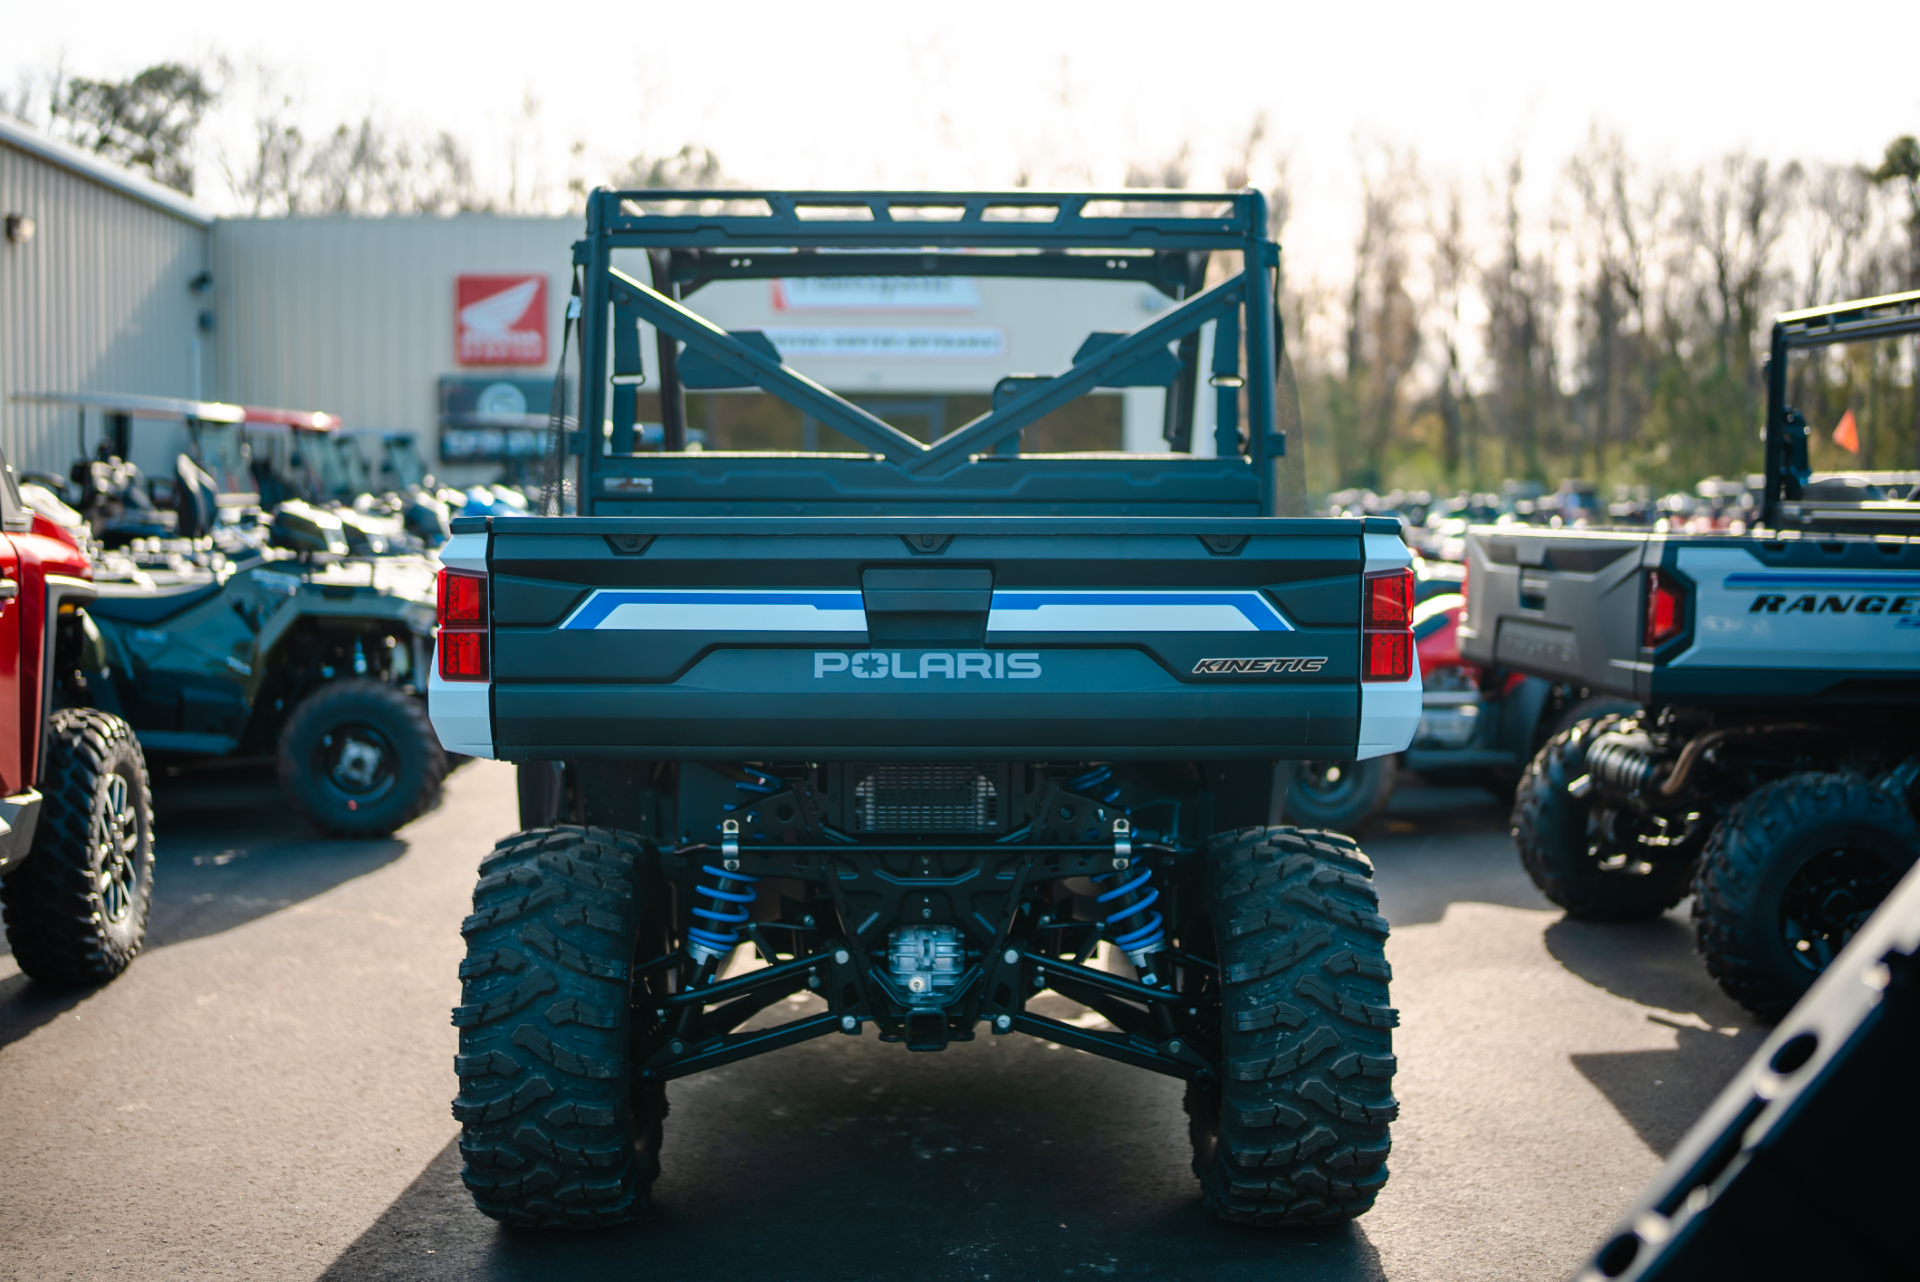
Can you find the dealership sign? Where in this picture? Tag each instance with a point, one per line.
(500, 320)
(876, 294)
(878, 341)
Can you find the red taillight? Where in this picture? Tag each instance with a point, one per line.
(463, 656)
(463, 626)
(1386, 645)
(1666, 610)
(1390, 599)
(463, 600)
(1389, 656)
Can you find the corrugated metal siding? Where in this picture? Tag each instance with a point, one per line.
(97, 301)
(355, 315)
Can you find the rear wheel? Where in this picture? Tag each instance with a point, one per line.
(557, 1128)
(1342, 795)
(1788, 878)
(76, 910)
(358, 758)
(1291, 1126)
(1600, 863)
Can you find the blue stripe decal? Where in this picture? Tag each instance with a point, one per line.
(1133, 612)
(1860, 580)
(774, 610)
(718, 610)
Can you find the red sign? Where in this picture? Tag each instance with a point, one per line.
(500, 320)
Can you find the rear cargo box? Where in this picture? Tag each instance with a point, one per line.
(935, 638)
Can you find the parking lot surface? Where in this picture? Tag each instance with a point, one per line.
(264, 1095)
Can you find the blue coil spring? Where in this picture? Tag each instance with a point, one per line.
(723, 919)
(1141, 938)
(1097, 775)
(1093, 779)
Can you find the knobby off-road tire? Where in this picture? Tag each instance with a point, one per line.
(1591, 708)
(1348, 805)
(76, 910)
(557, 1129)
(1557, 848)
(1293, 1128)
(1804, 859)
(358, 758)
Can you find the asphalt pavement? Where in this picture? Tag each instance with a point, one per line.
(264, 1094)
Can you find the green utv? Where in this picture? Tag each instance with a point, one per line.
(939, 739)
(299, 636)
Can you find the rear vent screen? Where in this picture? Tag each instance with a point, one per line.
(931, 797)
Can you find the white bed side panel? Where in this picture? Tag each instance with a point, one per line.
(465, 552)
(461, 712)
(1389, 715)
(1386, 552)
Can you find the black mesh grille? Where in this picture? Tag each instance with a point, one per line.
(928, 798)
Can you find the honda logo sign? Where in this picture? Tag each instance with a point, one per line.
(501, 320)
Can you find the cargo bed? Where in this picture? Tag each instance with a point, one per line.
(925, 638)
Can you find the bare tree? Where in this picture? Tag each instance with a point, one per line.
(1901, 165)
(1452, 262)
(692, 168)
(1169, 174)
(1613, 233)
(1383, 332)
(1521, 298)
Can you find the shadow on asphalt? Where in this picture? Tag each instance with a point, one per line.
(1441, 846)
(1659, 1093)
(227, 850)
(845, 1159)
(25, 1005)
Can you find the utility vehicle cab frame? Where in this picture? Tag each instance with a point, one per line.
(1163, 240)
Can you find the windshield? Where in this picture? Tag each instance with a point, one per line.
(929, 354)
(220, 449)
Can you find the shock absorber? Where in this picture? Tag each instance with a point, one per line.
(708, 944)
(1132, 926)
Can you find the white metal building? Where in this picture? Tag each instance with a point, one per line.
(111, 283)
(98, 274)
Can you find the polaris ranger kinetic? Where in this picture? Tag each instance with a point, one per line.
(924, 729)
(1772, 774)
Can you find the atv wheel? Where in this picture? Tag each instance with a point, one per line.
(1598, 863)
(1591, 708)
(557, 1128)
(1789, 876)
(1290, 1128)
(358, 758)
(1342, 795)
(76, 910)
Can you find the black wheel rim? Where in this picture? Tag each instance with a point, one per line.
(1828, 899)
(358, 760)
(1329, 783)
(114, 833)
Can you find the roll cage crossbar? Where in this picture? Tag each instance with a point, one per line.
(1787, 466)
(1159, 239)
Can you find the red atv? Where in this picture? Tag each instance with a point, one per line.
(76, 817)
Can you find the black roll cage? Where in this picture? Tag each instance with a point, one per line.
(1787, 469)
(694, 238)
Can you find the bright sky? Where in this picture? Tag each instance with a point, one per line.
(828, 94)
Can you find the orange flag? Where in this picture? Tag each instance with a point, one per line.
(1847, 434)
